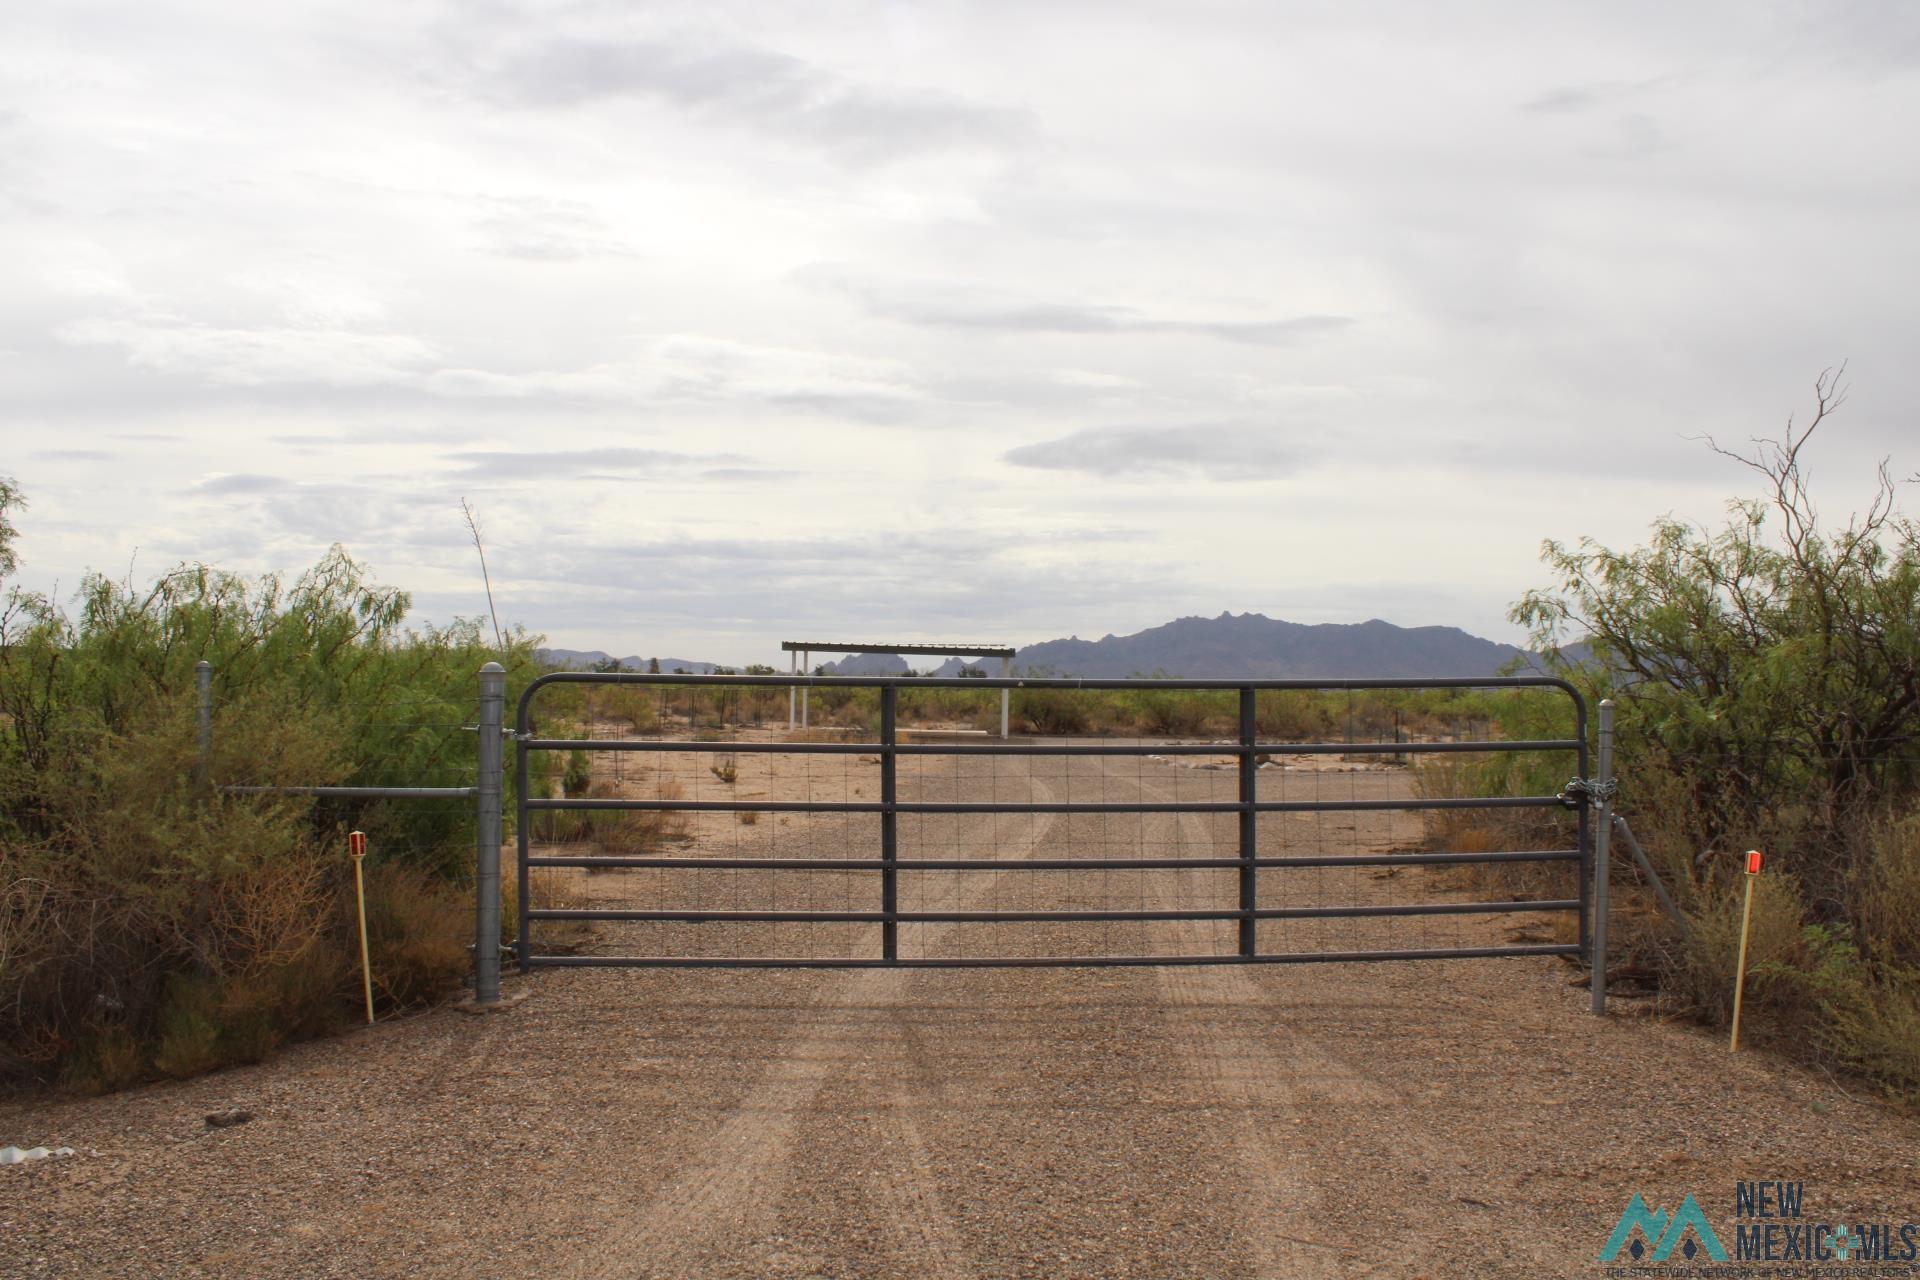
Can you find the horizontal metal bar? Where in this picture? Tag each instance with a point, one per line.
(710, 806)
(1049, 682)
(931, 650)
(1337, 806)
(1419, 859)
(919, 806)
(1044, 748)
(722, 748)
(1041, 962)
(1050, 864)
(1419, 909)
(875, 864)
(1411, 748)
(872, 917)
(1036, 917)
(357, 793)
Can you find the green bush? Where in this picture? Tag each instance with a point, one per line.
(578, 776)
(1764, 675)
(151, 924)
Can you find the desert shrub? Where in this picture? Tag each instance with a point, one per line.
(1050, 711)
(419, 928)
(636, 704)
(1887, 888)
(1764, 676)
(1175, 713)
(562, 888)
(1288, 715)
(1875, 1029)
(1777, 951)
(637, 831)
(150, 923)
(579, 774)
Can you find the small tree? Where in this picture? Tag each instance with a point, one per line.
(10, 500)
(1771, 667)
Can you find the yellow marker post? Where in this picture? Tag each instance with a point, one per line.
(357, 850)
(1740, 969)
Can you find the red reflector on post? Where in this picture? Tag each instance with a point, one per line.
(1753, 862)
(357, 846)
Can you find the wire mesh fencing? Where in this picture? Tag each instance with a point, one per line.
(681, 822)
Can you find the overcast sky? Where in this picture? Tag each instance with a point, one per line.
(920, 320)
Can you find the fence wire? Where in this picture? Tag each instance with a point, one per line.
(684, 822)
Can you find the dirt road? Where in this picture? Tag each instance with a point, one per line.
(1410, 1119)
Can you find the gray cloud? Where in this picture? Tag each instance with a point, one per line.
(931, 308)
(504, 464)
(1443, 252)
(1215, 452)
(240, 483)
(747, 594)
(724, 475)
(1573, 99)
(541, 230)
(770, 91)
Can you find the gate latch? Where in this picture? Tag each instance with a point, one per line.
(1585, 791)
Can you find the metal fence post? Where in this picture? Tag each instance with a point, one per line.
(1249, 826)
(203, 693)
(889, 824)
(1603, 830)
(488, 836)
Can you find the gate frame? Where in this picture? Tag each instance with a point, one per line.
(888, 865)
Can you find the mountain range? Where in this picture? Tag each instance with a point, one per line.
(594, 659)
(1253, 646)
(1248, 646)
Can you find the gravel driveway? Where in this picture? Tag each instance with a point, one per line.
(1439, 1119)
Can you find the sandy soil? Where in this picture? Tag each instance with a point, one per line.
(1462, 1118)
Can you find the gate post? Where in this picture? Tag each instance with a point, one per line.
(1603, 829)
(889, 825)
(488, 836)
(1249, 827)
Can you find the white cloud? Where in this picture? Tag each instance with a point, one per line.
(270, 356)
(885, 311)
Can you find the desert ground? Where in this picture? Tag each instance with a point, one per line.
(1405, 1119)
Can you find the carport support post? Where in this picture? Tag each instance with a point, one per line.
(793, 691)
(806, 662)
(1006, 673)
(488, 836)
(1603, 829)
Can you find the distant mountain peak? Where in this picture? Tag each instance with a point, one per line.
(1252, 646)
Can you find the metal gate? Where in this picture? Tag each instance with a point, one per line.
(888, 842)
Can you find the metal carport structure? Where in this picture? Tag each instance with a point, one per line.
(803, 651)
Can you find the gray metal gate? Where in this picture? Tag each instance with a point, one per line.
(1257, 873)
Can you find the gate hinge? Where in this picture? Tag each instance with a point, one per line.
(1579, 791)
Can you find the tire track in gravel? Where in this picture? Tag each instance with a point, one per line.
(918, 1219)
(1294, 1189)
(1284, 1199)
(732, 1187)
